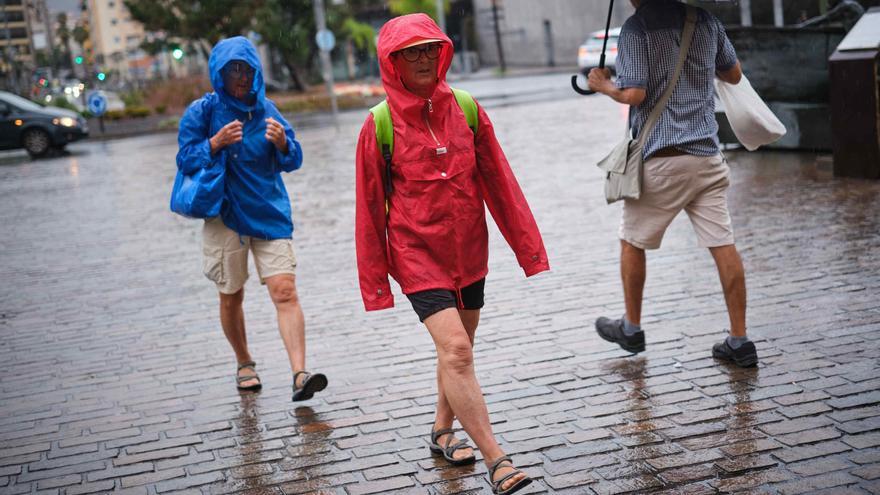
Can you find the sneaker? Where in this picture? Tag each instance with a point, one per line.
(746, 356)
(612, 331)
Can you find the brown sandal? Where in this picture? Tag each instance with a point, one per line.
(496, 485)
(241, 379)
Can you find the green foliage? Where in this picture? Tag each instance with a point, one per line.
(114, 114)
(169, 123)
(63, 102)
(361, 34)
(208, 21)
(132, 98)
(80, 34)
(401, 7)
(288, 26)
(137, 111)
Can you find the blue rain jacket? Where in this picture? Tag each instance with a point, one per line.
(255, 202)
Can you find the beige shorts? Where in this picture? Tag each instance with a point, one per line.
(696, 184)
(226, 256)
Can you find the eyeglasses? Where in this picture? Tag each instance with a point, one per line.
(239, 70)
(414, 53)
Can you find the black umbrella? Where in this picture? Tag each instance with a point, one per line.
(574, 78)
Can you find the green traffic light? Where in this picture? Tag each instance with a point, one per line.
(101, 76)
(78, 60)
(177, 53)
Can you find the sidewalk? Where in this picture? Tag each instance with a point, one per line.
(115, 375)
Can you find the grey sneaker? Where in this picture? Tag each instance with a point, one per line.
(746, 356)
(612, 331)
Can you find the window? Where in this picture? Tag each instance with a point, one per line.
(114, 21)
(111, 4)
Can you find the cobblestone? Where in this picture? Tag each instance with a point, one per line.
(115, 374)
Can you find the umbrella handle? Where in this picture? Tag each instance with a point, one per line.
(577, 89)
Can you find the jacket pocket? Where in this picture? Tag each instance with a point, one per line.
(212, 265)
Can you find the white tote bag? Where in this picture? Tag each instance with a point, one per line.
(751, 120)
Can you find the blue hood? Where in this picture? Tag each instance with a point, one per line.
(237, 48)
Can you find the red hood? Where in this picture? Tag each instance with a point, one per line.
(396, 34)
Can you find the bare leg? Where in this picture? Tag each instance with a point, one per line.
(444, 418)
(632, 272)
(733, 282)
(232, 321)
(291, 322)
(455, 361)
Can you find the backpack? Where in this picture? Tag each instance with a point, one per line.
(385, 130)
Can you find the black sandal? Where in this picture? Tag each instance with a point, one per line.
(311, 384)
(241, 379)
(496, 485)
(448, 451)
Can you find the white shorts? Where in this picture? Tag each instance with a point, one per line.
(226, 256)
(696, 184)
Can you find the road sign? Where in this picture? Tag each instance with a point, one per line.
(97, 104)
(325, 40)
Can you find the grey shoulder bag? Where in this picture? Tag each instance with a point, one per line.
(623, 166)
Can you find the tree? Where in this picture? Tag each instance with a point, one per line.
(401, 7)
(205, 23)
(289, 27)
(63, 34)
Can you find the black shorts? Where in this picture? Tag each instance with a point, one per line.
(428, 302)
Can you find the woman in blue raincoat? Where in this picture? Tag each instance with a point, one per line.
(238, 128)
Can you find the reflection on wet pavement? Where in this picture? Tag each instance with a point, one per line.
(116, 375)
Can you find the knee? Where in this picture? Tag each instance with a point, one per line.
(230, 302)
(457, 355)
(284, 293)
(627, 249)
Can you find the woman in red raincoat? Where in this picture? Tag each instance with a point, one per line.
(433, 238)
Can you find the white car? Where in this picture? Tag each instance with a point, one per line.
(591, 50)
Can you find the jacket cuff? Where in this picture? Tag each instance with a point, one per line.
(534, 265)
(381, 298)
(206, 160)
(288, 161)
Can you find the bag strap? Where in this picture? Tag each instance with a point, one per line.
(469, 107)
(385, 130)
(686, 37)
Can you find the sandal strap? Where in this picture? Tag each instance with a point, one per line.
(296, 375)
(507, 477)
(241, 379)
(461, 444)
(247, 364)
(439, 433)
(497, 464)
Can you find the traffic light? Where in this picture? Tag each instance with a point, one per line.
(78, 60)
(177, 53)
(101, 76)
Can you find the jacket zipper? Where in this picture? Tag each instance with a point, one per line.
(441, 150)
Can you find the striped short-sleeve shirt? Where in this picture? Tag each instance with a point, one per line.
(647, 53)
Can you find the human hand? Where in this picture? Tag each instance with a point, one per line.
(599, 80)
(275, 134)
(230, 133)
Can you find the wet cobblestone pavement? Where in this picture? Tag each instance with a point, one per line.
(114, 373)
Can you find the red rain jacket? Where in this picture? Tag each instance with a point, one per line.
(435, 234)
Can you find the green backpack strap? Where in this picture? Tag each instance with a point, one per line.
(385, 138)
(385, 130)
(469, 107)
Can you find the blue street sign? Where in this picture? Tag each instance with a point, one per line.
(325, 40)
(97, 104)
